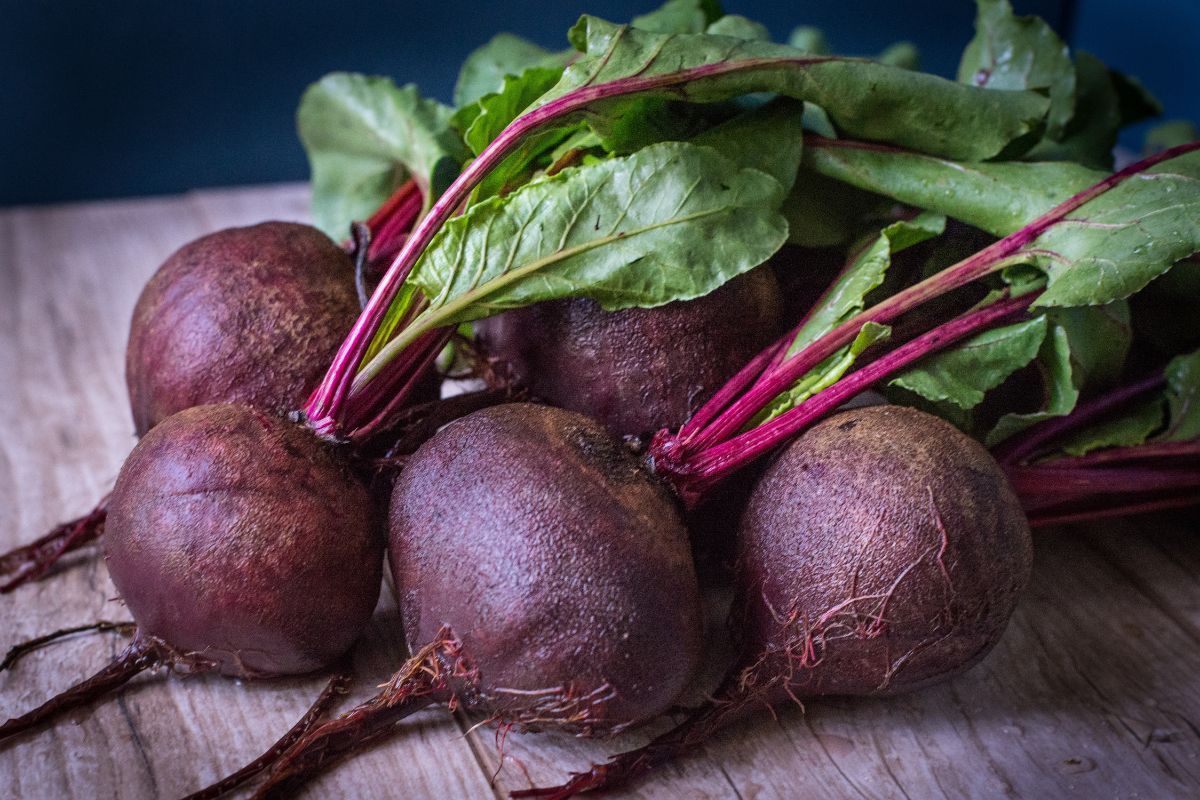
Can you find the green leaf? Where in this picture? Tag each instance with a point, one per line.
(810, 40)
(904, 55)
(1011, 52)
(1170, 134)
(671, 222)
(1054, 362)
(826, 213)
(964, 374)
(1113, 245)
(505, 54)
(364, 137)
(493, 112)
(1100, 338)
(1183, 398)
(769, 138)
(680, 16)
(1132, 427)
(825, 374)
(866, 99)
(740, 27)
(847, 295)
(1072, 357)
(1090, 136)
(998, 197)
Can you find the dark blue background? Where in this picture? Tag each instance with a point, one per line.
(140, 97)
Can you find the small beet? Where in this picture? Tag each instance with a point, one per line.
(241, 536)
(239, 542)
(246, 315)
(888, 542)
(642, 369)
(554, 557)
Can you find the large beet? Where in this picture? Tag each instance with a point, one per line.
(556, 560)
(882, 551)
(638, 370)
(245, 315)
(241, 536)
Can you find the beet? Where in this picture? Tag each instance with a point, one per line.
(544, 580)
(239, 535)
(642, 369)
(881, 552)
(577, 572)
(239, 542)
(891, 543)
(246, 315)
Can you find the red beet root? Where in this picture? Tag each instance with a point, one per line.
(245, 315)
(641, 369)
(239, 542)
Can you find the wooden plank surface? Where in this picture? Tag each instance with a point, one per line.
(1093, 692)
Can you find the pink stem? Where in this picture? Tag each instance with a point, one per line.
(1062, 517)
(700, 472)
(1180, 451)
(976, 266)
(1028, 445)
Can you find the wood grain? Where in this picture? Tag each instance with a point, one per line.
(1093, 692)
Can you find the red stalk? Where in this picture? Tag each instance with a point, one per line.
(706, 468)
(1036, 438)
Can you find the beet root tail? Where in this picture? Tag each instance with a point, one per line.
(337, 685)
(624, 768)
(139, 656)
(19, 651)
(422, 681)
(32, 561)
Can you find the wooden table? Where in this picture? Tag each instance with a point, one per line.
(1094, 691)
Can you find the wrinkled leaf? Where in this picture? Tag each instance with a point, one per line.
(1054, 364)
(998, 197)
(1113, 245)
(825, 374)
(1073, 356)
(364, 137)
(769, 138)
(866, 99)
(485, 69)
(964, 374)
(1091, 134)
(1183, 398)
(847, 296)
(1011, 52)
(1132, 427)
(493, 112)
(680, 16)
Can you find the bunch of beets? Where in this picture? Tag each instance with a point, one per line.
(687, 248)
